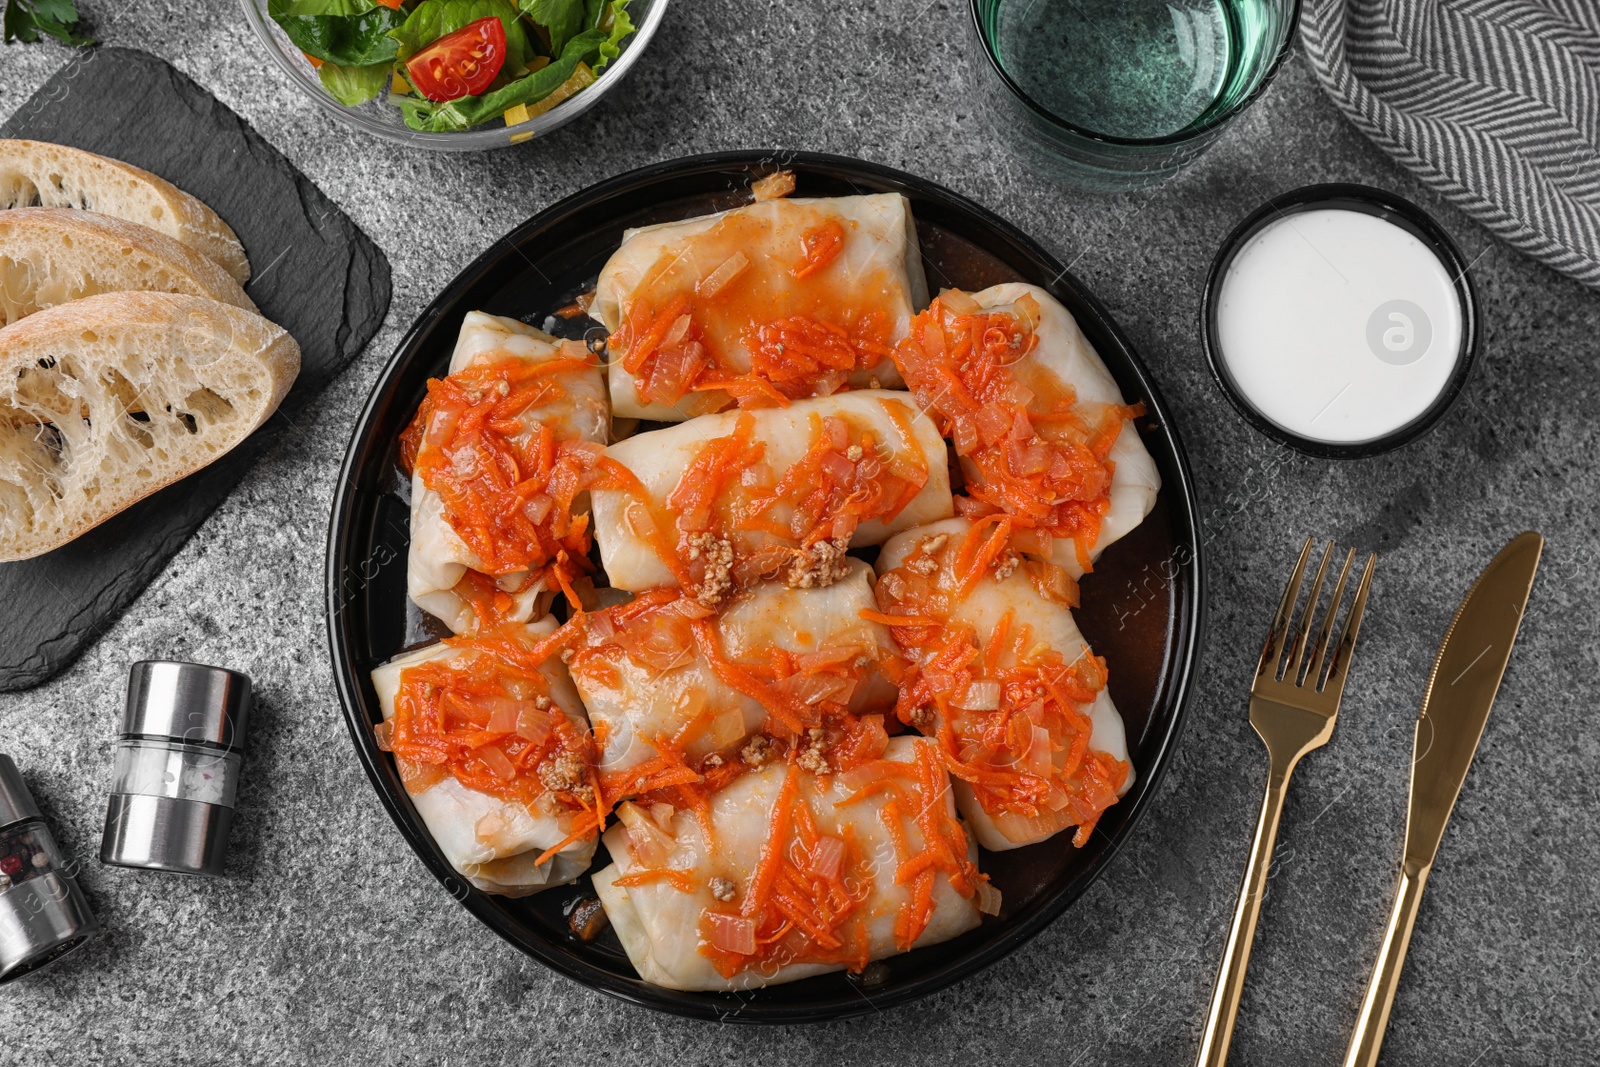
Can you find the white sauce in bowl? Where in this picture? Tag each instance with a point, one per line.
(1337, 325)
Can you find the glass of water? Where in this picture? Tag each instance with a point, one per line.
(1115, 94)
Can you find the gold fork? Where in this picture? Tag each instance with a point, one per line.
(1293, 705)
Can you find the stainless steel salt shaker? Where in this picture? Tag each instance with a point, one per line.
(43, 915)
(177, 768)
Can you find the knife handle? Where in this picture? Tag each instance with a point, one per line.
(1236, 953)
(1374, 1018)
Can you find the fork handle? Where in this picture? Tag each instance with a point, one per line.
(1236, 953)
(1374, 1018)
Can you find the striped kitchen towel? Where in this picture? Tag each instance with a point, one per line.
(1495, 103)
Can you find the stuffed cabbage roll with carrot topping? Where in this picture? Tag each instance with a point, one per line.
(673, 688)
(759, 305)
(785, 874)
(726, 501)
(999, 673)
(491, 742)
(502, 453)
(1039, 424)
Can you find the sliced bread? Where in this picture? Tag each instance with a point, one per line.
(104, 400)
(50, 255)
(37, 173)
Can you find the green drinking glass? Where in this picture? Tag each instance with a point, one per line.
(1116, 94)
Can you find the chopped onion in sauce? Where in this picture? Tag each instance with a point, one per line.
(503, 715)
(418, 777)
(496, 760)
(988, 898)
(649, 844)
(680, 329)
(532, 724)
(733, 933)
(982, 695)
(717, 280)
(1038, 758)
(774, 186)
(827, 857)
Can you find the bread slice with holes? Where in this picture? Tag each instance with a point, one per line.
(50, 255)
(107, 399)
(40, 174)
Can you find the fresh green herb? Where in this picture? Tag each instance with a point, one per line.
(353, 85)
(25, 20)
(349, 33)
(596, 47)
(434, 19)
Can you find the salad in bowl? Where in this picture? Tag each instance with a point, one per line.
(450, 65)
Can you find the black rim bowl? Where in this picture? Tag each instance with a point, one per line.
(366, 565)
(1391, 208)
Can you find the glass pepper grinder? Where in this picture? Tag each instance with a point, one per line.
(43, 915)
(177, 768)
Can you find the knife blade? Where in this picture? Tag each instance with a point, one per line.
(1455, 706)
(1461, 689)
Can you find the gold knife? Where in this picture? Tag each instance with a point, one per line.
(1466, 675)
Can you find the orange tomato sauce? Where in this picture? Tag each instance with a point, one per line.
(1034, 452)
(758, 311)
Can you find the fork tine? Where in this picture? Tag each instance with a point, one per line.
(1297, 653)
(1319, 650)
(1280, 624)
(1352, 626)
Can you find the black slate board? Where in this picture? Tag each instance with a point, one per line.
(314, 273)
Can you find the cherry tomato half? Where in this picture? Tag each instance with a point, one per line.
(462, 63)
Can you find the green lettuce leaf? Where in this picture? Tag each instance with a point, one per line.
(616, 25)
(562, 19)
(25, 20)
(434, 19)
(595, 47)
(353, 85)
(350, 33)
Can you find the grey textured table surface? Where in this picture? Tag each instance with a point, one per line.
(330, 942)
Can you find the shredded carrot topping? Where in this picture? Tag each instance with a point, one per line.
(487, 720)
(805, 902)
(508, 479)
(1011, 715)
(1040, 456)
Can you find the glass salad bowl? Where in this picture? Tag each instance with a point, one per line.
(383, 119)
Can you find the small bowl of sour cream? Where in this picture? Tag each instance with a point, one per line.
(1340, 319)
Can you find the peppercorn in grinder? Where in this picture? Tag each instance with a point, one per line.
(43, 915)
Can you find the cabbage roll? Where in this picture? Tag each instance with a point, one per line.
(725, 501)
(762, 304)
(496, 755)
(802, 658)
(1000, 674)
(805, 874)
(1041, 429)
(502, 452)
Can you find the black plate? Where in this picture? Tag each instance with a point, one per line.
(1141, 607)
